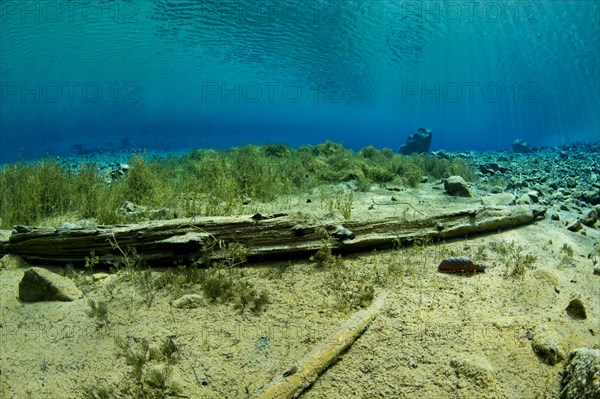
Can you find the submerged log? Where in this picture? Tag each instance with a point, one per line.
(305, 372)
(279, 236)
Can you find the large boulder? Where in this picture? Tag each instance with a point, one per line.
(418, 142)
(457, 186)
(581, 378)
(40, 284)
(521, 147)
(591, 218)
(12, 262)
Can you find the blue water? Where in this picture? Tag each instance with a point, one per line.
(83, 75)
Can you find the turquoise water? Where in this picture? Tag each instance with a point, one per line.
(78, 76)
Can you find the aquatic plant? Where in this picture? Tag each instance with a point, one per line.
(351, 289)
(247, 297)
(136, 354)
(151, 377)
(566, 253)
(98, 310)
(91, 261)
(203, 182)
(324, 258)
(567, 250)
(169, 351)
(218, 286)
(340, 200)
(130, 261)
(157, 379)
(145, 283)
(98, 391)
(516, 258)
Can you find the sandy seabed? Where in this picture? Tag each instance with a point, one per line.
(440, 335)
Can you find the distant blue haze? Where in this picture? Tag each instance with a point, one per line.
(166, 74)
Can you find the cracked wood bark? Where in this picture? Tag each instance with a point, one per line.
(266, 238)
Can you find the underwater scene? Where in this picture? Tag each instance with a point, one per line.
(299, 199)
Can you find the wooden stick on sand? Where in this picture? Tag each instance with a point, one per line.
(294, 381)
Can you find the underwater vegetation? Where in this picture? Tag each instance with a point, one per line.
(202, 182)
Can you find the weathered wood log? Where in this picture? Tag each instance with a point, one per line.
(291, 383)
(277, 237)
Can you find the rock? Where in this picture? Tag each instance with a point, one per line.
(521, 147)
(118, 171)
(459, 265)
(591, 218)
(100, 276)
(498, 199)
(492, 168)
(534, 196)
(574, 226)
(13, 262)
(341, 233)
(477, 370)
(457, 186)
(555, 216)
(189, 301)
(571, 182)
(576, 309)
(597, 270)
(524, 200)
(39, 284)
(548, 346)
(135, 212)
(129, 207)
(515, 183)
(581, 378)
(418, 142)
(441, 154)
(591, 197)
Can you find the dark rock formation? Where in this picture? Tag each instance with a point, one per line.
(576, 309)
(456, 186)
(591, 218)
(42, 285)
(492, 168)
(418, 142)
(521, 147)
(592, 197)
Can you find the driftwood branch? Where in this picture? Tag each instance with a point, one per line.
(303, 374)
(277, 236)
